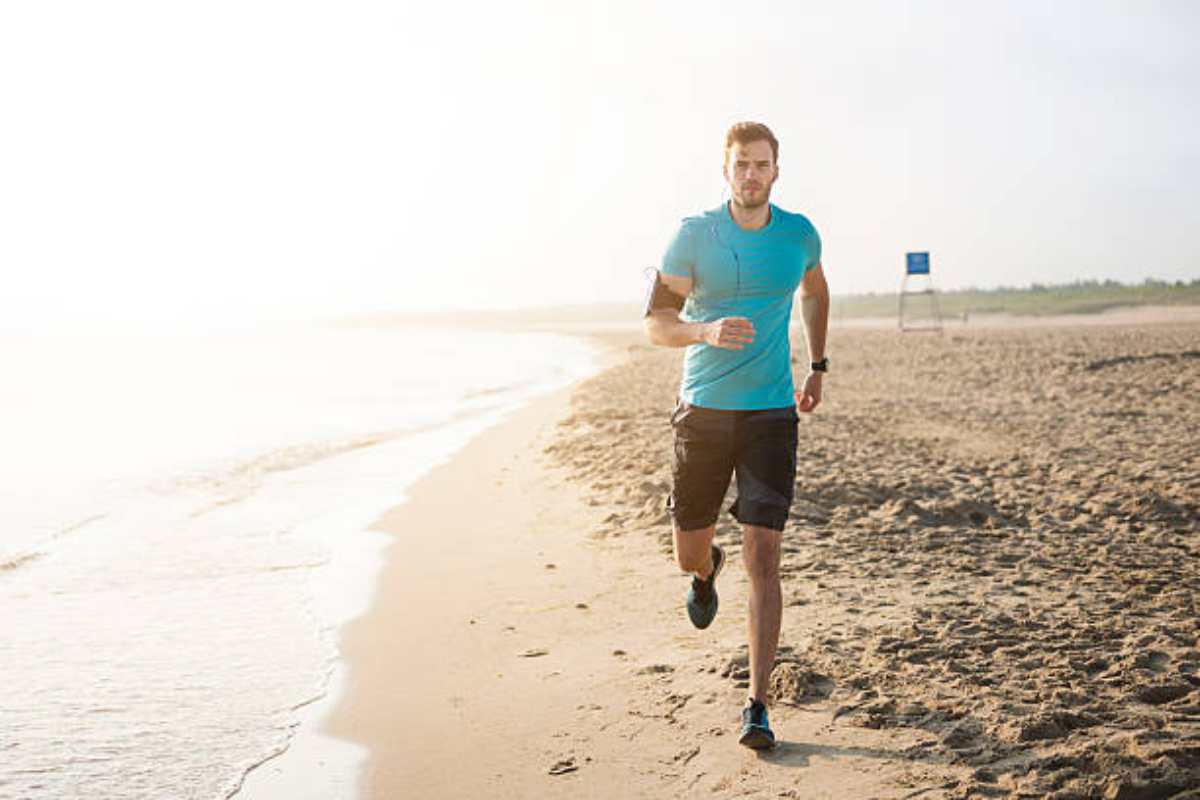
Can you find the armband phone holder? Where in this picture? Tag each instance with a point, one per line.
(659, 296)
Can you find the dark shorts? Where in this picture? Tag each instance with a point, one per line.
(711, 445)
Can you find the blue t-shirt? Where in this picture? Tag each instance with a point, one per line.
(741, 273)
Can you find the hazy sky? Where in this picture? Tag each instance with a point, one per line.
(249, 159)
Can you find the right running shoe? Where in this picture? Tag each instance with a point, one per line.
(702, 596)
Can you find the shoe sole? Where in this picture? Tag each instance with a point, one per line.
(697, 625)
(717, 567)
(757, 739)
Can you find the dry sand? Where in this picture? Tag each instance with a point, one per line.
(990, 578)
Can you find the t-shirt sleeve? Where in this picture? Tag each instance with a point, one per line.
(814, 249)
(680, 258)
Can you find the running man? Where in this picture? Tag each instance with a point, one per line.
(733, 272)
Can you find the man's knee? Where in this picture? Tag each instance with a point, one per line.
(761, 553)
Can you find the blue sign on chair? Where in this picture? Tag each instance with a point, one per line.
(918, 263)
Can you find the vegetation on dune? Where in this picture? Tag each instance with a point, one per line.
(1080, 297)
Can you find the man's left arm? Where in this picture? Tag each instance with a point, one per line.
(814, 308)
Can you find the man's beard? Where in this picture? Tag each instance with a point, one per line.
(760, 198)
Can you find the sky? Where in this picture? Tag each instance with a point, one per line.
(261, 160)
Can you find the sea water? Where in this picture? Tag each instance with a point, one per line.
(184, 524)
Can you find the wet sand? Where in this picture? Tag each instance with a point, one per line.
(990, 579)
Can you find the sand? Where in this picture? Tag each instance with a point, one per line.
(990, 579)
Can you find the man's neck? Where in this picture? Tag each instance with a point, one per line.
(750, 219)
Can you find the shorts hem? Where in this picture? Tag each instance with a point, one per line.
(702, 521)
(760, 515)
(694, 525)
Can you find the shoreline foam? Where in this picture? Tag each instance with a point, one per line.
(290, 771)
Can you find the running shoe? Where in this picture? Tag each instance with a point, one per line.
(756, 731)
(702, 597)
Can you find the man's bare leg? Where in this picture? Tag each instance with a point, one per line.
(696, 553)
(760, 553)
(693, 550)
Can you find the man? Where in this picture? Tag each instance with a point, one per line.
(737, 267)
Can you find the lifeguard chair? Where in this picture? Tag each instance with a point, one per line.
(918, 283)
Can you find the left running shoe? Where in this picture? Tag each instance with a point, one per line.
(702, 597)
(756, 731)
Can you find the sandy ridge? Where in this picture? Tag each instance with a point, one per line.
(994, 547)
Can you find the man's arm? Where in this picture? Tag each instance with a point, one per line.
(814, 308)
(664, 327)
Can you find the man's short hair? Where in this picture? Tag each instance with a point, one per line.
(747, 132)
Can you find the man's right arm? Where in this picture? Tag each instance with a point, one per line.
(664, 327)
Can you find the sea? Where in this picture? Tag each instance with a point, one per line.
(185, 524)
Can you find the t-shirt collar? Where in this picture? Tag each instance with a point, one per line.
(728, 221)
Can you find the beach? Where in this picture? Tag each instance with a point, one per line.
(989, 574)
(336, 462)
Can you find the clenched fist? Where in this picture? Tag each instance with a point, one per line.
(730, 333)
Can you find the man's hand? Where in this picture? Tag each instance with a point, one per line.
(731, 333)
(809, 396)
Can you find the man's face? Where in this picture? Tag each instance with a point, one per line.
(750, 171)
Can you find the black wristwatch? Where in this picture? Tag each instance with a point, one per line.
(820, 366)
